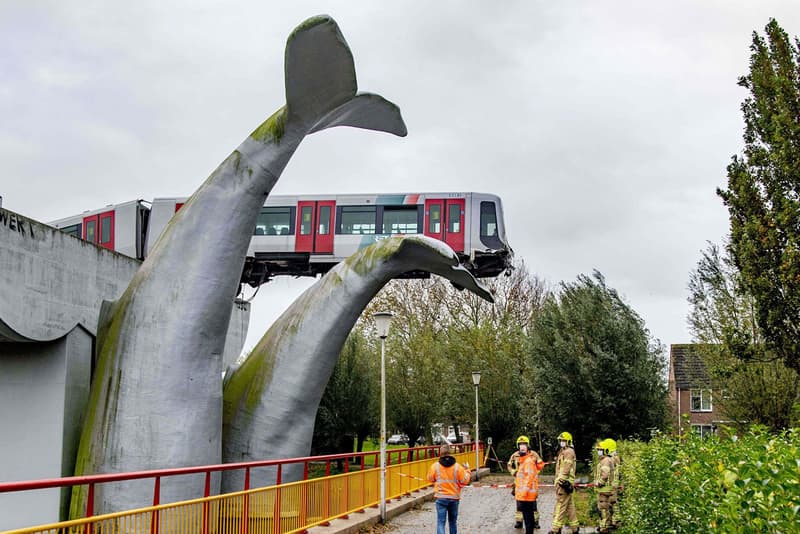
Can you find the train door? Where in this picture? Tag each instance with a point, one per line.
(444, 220)
(454, 230)
(314, 229)
(99, 229)
(90, 228)
(433, 218)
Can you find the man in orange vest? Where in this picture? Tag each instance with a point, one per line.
(526, 484)
(448, 477)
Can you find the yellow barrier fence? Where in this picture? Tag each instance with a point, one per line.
(299, 506)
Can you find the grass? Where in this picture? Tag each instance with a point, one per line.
(583, 505)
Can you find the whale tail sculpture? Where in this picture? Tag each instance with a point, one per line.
(333, 102)
(156, 397)
(271, 399)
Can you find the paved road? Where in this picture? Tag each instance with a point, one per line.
(482, 510)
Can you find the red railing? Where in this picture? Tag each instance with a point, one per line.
(411, 454)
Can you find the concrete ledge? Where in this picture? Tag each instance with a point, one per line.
(372, 516)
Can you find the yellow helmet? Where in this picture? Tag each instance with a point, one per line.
(607, 445)
(523, 439)
(565, 436)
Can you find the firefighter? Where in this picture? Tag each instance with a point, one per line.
(617, 482)
(527, 465)
(604, 484)
(512, 465)
(564, 513)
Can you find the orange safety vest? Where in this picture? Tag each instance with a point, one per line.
(526, 481)
(448, 480)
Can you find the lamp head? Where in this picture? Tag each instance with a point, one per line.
(382, 322)
(476, 377)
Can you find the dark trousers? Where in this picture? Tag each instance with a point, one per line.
(528, 509)
(446, 511)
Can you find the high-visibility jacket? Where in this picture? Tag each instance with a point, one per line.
(604, 475)
(448, 477)
(565, 465)
(617, 462)
(526, 481)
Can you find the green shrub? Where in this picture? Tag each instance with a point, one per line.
(689, 484)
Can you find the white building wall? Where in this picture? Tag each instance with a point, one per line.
(44, 388)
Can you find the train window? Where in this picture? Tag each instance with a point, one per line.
(324, 220)
(358, 220)
(91, 226)
(305, 220)
(75, 230)
(274, 221)
(400, 220)
(435, 219)
(488, 219)
(454, 218)
(105, 229)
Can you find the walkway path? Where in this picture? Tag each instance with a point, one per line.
(482, 510)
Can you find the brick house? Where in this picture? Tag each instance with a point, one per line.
(690, 391)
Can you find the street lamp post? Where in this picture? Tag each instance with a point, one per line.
(476, 379)
(382, 322)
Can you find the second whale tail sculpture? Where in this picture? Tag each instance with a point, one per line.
(271, 400)
(156, 397)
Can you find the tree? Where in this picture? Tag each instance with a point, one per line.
(596, 370)
(440, 335)
(758, 389)
(763, 195)
(348, 406)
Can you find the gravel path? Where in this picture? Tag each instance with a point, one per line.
(483, 509)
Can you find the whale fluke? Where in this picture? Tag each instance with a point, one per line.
(271, 400)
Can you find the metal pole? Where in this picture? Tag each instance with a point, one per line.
(383, 431)
(477, 439)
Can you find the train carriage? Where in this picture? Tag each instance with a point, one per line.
(306, 235)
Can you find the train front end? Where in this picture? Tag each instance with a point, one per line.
(489, 253)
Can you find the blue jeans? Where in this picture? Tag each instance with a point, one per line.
(446, 510)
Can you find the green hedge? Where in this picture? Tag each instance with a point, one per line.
(690, 485)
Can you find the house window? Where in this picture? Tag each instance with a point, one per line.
(701, 400)
(703, 430)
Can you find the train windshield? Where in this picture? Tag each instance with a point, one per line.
(488, 219)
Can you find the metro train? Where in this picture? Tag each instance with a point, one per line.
(306, 235)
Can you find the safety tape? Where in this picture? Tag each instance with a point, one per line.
(500, 486)
(496, 486)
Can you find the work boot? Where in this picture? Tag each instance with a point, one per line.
(518, 524)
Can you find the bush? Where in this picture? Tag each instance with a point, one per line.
(690, 484)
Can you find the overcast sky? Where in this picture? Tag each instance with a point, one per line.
(605, 127)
